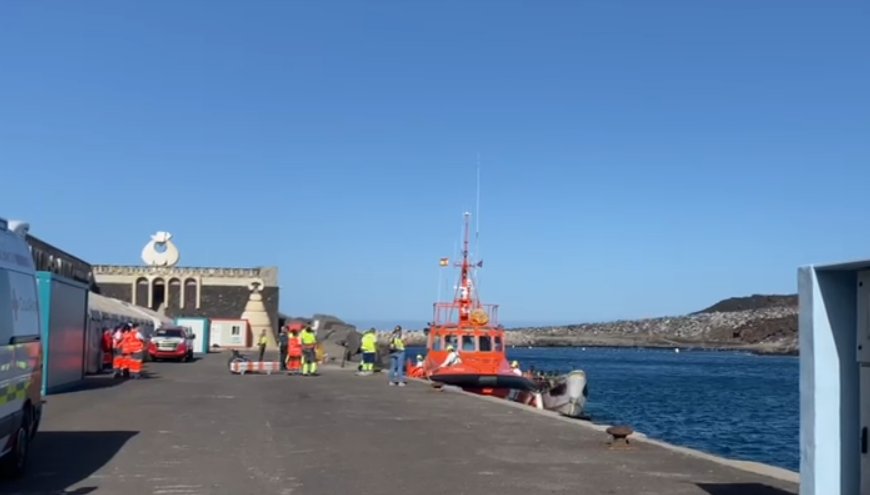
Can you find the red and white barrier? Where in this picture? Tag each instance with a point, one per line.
(267, 367)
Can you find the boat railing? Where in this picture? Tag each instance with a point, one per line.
(453, 313)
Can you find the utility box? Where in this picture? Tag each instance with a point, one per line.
(63, 305)
(201, 329)
(233, 334)
(835, 378)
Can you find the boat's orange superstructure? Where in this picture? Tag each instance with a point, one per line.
(470, 329)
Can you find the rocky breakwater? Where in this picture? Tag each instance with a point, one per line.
(765, 324)
(759, 323)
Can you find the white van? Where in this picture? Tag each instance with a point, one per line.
(20, 349)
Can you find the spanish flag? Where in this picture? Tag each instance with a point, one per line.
(443, 262)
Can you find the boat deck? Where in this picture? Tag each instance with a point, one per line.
(193, 428)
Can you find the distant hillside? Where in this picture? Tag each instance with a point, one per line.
(753, 302)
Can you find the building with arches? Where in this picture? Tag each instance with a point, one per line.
(161, 285)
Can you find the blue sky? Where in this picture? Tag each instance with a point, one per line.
(638, 158)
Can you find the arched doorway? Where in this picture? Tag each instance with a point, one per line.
(140, 296)
(158, 294)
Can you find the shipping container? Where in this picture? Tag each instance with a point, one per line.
(63, 305)
(230, 333)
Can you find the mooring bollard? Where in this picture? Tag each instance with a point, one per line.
(619, 432)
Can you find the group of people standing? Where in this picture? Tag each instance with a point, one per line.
(126, 346)
(297, 350)
(369, 348)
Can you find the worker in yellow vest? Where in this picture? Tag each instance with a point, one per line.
(309, 351)
(369, 348)
(397, 357)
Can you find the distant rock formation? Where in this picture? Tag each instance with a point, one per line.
(760, 323)
(755, 301)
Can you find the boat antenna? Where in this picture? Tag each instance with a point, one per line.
(477, 207)
(477, 220)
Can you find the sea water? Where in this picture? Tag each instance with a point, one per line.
(733, 404)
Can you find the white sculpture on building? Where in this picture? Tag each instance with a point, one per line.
(161, 251)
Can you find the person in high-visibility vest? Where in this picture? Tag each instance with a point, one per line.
(118, 360)
(294, 353)
(369, 347)
(261, 343)
(397, 357)
(136, 347)
(309, 351)
(126, 350)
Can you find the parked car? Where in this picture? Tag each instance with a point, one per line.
(171, 343)
(20, 350)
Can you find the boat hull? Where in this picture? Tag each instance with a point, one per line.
(566, 394)
(475, 382)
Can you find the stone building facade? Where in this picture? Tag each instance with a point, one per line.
(176, 291)
(190, 291)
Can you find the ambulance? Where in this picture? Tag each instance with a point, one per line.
(20, 349)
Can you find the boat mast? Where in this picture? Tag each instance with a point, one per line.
(465, 297)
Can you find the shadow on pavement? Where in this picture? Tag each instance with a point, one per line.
(60, 459)
(94, 382)
(742, 489)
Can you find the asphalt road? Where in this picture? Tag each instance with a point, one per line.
(193, 428)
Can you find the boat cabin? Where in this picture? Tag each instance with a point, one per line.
(475, 334)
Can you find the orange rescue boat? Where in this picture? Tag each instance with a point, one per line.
(465, 344)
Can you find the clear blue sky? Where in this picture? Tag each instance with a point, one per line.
(638, 158)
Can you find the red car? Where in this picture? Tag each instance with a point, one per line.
(171, 343)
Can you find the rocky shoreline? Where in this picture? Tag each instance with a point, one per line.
(757, 324)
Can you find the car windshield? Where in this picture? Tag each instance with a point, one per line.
(169, 333)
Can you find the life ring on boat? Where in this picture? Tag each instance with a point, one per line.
(479, 317)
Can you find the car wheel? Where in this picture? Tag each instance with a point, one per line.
(15, 462)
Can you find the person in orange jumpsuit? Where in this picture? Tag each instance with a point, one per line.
(294, 353)
(119, 361)
(137, 352)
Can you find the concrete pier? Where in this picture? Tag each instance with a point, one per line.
(192, 428)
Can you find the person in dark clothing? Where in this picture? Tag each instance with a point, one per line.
(283, 342)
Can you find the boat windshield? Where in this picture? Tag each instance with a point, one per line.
(470, 343)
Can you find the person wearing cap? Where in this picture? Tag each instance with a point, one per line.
(397, 357)
(515, 368)
(452, 358)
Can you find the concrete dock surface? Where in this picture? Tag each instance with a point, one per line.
(193, 428)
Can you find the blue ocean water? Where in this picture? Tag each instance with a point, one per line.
(737, 405)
